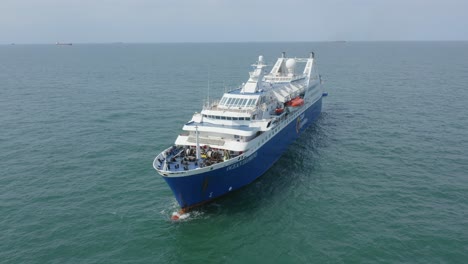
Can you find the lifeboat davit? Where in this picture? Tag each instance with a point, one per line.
(295, 102)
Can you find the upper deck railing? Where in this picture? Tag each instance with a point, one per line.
(285, 78)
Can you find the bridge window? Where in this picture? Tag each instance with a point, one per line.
(223, 101)
(237, 102)
(251, 102)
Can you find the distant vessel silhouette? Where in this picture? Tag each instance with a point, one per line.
(66, 44)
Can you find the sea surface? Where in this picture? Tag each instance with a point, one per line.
(382, 177)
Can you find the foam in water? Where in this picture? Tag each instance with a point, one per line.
(177, 216)
(173, 207)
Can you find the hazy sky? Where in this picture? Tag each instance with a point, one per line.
(48, 21)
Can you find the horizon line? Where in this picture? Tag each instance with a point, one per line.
(222, 42)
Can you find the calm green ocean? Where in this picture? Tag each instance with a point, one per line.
(382, 177)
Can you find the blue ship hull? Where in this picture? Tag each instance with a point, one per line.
(197, 189)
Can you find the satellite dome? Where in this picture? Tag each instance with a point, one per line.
(290, 64)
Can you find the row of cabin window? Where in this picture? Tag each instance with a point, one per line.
(237, 102)
(227, 117)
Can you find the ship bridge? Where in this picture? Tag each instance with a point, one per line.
(238, 101)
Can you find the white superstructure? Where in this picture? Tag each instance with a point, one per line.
(241, 121)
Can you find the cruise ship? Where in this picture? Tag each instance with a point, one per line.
(236, 139)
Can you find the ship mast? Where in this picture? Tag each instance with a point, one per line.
(198, 144)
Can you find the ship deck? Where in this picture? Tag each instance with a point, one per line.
(183, 158)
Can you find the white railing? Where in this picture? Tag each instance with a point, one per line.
(207, 141)
(285, 78)
(246, 110)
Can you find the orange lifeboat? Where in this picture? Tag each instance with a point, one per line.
(278, 111)
(295, 102)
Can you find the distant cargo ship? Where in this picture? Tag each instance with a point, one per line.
(65, 44)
